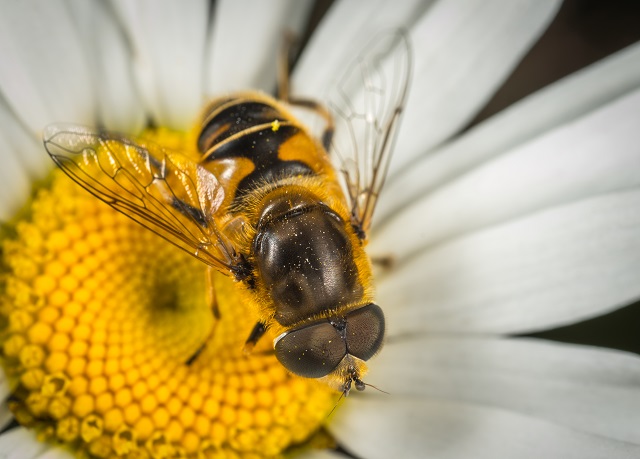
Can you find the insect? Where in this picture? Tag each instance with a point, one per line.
(265, 205)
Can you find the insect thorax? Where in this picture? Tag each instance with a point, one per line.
(305, 253)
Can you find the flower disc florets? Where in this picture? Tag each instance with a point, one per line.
(98, 319)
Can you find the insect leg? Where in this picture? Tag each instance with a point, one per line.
(195, 355)
(385, 262)
(323, 112)
(13, 424)
(213, 304)
(211, 294)
(284, 91)
(284, 69)
(258, 331)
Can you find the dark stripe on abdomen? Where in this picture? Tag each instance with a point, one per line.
(235, 116)
(261, 147)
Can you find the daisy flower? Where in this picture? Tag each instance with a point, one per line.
(527, 221)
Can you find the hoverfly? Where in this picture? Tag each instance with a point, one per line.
(265, 205)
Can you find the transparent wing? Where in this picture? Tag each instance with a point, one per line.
(367, 102)
(164, 191)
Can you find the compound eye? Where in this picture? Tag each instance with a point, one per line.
(365, 331)
(312, 351)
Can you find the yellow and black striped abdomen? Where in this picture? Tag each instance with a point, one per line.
(250, 140)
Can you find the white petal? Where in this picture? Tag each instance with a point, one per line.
(56, 453)
(43, 73)
(5, 416)
(246, 40)
(20, 443)
(345, 29)
(563, 101)
(595, 154)
(119, 106)
(4, 386)
(463, 49)
(588, 389)
(168, 38)
(326, 454)
(15, 181)
(549, 269)
(25, 147)
(410, 427)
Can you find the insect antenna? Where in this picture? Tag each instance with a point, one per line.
(336, 405)
(376, 388)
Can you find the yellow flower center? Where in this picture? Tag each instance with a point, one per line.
(111, 346)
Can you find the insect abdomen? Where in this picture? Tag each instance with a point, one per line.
(249, 140)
